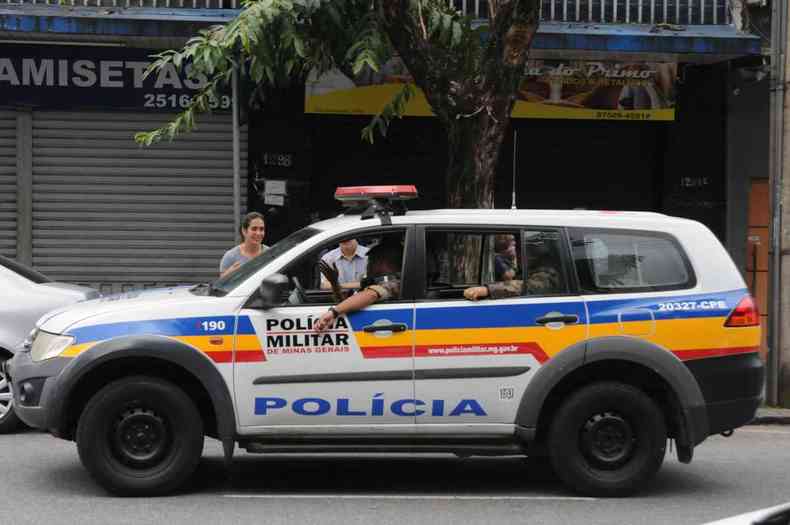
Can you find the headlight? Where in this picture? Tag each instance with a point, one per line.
(47, 346)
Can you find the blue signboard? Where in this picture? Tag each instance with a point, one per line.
(53, 76)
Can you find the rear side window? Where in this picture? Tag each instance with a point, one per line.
(458, 259)
(617, 261)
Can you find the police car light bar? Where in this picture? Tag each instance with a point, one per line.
(400, 192)
(372, 201)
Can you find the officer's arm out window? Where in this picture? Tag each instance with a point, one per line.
(456, 260)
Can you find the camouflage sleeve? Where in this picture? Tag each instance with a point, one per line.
(386, 291)
(543, 280)
(505, 289)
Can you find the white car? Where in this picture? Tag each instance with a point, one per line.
(617, 332)
(25, 295)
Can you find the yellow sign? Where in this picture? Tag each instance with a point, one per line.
(551, 89)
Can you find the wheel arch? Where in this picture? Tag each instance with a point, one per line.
(628, 360)
(156, 356)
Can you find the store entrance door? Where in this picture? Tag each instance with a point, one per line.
(757, 244)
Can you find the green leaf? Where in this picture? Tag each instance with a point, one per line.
(367, 133)
(447, 22)
(457, 34)
(334, 14)
(434, 22)
(393, 109)
(270, 75)
(277, 41)
(299, 47)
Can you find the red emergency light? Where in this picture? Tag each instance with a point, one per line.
(376, 201)
(398, 192)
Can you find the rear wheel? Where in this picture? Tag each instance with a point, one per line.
(140, 436)
(9, 421)
(607, 439)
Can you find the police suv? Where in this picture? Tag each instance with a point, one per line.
(643, 332)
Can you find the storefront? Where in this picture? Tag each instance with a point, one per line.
(584, 134)
(81, 200)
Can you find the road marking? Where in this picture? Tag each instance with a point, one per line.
(405, 497)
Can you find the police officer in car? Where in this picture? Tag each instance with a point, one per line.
(350, 259)
(382, 282)
(543, 279)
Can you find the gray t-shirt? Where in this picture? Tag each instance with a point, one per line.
(233, 255)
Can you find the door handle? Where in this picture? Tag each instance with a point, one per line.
(394, 327)
(561, 318)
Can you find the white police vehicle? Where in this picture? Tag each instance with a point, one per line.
(640, 330)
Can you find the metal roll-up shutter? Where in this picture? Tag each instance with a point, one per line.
(112, 214)
(8, 183)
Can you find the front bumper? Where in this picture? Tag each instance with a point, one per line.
(34, 385)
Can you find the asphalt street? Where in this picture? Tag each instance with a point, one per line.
(44, 482)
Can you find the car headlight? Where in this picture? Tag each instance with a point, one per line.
(47, 346)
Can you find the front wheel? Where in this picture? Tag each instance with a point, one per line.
(140, 436)
(607, 439)
(9, 421)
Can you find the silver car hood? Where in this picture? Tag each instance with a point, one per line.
(58, 321)
(81, 293)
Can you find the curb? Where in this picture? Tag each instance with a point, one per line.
(770, 420)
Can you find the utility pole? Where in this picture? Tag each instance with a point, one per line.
(778, 385)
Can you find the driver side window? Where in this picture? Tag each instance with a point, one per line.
(347, 256)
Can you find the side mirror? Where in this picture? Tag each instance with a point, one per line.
(272, 290)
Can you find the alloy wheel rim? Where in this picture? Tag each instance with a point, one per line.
(6, 398)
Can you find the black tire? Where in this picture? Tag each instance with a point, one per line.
(9, 421)
(140, 436)
(607, 439)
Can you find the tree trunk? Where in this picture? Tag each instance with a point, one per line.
(470, 178)
(472, 98)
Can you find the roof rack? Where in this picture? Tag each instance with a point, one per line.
(381, 201)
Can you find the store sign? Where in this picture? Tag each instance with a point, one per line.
(597, 90)
(94, 77)
(551, 89)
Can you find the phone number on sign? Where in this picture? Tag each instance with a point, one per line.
(181, 101)
(623, 115)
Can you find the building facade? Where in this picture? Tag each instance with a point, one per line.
(80, 201)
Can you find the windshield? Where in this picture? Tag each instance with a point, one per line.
(229, 283)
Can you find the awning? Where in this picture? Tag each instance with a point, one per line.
(654, 43)
(108, 23)
(583, 41)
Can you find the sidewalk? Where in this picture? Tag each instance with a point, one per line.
(772, 416)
